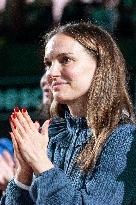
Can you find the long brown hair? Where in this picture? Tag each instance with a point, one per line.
(108, 98)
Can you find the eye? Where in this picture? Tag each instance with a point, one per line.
(47, 64)
(65, 60)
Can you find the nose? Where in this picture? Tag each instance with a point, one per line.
(54, 71)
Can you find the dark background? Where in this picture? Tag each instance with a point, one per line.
(22, 25)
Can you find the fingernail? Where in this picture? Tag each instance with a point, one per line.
(16, 109)
(14, 116)
(14, 126)
(24, 109)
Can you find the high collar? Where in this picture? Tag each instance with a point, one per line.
(63, 130)
(75, 122)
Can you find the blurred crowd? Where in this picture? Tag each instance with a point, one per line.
(18, 18)
(7, 164)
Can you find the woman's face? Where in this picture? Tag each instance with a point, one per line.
(70, 68)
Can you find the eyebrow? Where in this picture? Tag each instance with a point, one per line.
(58, 55)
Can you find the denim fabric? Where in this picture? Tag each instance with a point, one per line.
(112, 182)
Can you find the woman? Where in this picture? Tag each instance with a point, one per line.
(91, 152)
(43, 112)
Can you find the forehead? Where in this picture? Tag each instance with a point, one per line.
(61, 43)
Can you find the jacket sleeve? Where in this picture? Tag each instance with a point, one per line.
(106, 186)
(54, 188)
(103, 187)
(14, 195)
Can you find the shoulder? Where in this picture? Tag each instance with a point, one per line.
(123, 134)
(125, 128)
(118, 146)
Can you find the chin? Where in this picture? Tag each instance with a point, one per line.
(60, 98)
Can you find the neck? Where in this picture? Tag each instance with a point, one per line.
(78, 107)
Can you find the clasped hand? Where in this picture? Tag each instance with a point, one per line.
(30, 146)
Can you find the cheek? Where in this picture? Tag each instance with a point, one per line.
(84, 80)
(69, 75)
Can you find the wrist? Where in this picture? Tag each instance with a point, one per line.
(24, 176)
(43, 166)
(21, 185)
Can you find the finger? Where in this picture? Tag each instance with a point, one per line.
(2, 175)
(28, 119)
(20, 124)
(17, 113)
(3, 183)
(16, 141)
(13, 141)
(45, 127)
(5, 176)
(3, 163)
(2, 180)
(8, 158)
(15, 144)
(18, 129)
(6, 171)
(11, 123)
(16, 149)
(37, 125)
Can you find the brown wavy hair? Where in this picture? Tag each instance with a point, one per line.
(108, 98)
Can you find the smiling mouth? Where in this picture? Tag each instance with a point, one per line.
(58, 85)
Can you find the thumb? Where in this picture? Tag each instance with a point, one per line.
(8, 158)
(45, 127)
(37, 125)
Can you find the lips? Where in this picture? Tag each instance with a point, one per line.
(57, 84)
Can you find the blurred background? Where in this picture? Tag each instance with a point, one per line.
(22, 26)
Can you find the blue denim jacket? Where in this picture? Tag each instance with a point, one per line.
(112, 182)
